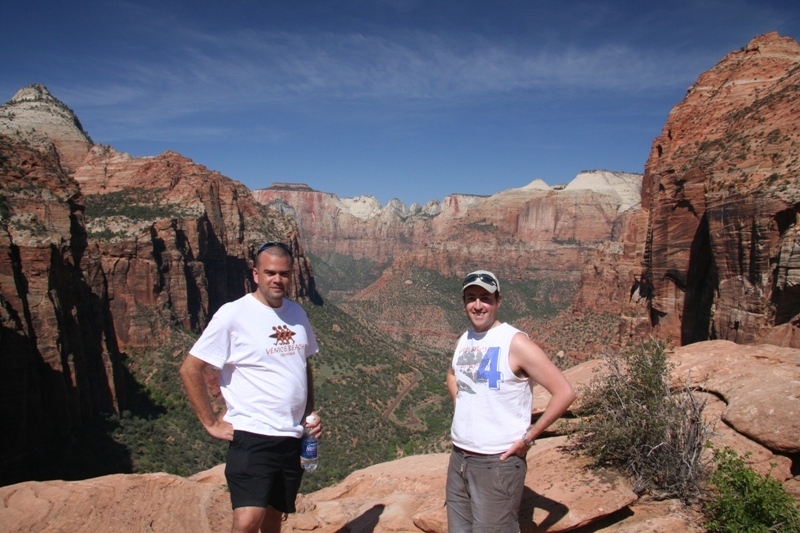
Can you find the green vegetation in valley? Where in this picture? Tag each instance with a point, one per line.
(337, 274)
(588, 333)
(358, 374)
(412, 300)
(135, 204)
(419, 298)
(356, 381)
(532, 298)
(157, 431)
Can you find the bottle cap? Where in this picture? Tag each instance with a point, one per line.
(310, 419)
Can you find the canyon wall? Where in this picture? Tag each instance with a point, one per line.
(722, 190)
(538, 236)
(525, 233)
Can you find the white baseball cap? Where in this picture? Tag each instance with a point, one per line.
(481, 278)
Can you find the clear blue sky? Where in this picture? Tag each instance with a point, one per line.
(408, 99)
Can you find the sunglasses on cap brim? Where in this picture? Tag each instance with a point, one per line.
(486, 278)
(272, 244)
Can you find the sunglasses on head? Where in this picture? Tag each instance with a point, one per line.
(486, 278)
(271, 244)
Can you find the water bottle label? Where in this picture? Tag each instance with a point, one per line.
(308, 449)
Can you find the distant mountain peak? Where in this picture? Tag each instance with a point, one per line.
(36, 116)
(34, 93)
(38, 93)
(627, 185)
(283, 186)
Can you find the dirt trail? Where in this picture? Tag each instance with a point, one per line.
(399, 397)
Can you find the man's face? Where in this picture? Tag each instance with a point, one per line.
(273, 276)
(481, 306)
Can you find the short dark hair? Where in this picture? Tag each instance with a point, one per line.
(275, 249)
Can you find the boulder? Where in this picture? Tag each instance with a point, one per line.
(117, 503)
(759, 384)
(561, 493)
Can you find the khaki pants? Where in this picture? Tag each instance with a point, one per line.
(484, 493)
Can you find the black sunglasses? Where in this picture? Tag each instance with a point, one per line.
(486, 278)
(270, 244)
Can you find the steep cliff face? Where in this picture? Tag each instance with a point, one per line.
(722, 189)
(99, 258)
(357, 227)
(610, 281)
(58, 364)
(533, 228)
(174, 239)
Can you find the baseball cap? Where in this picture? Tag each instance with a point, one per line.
(481, 278)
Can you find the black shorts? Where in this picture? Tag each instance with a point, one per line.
(263, 470)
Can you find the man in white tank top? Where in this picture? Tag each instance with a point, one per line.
(490, 380)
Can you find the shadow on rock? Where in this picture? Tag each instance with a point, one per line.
(365, 523)
(531, 501)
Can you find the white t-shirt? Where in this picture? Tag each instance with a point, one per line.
(261, 353)
(493, 406)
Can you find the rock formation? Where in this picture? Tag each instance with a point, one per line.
(408, 494)
(34, 115)
(531, 228)
(102, 254)
(722, 189)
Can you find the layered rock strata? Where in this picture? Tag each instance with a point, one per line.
(722, 189)
(36, 116)
(538, 235)
(531, 229)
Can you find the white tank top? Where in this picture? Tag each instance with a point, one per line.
(493, 406)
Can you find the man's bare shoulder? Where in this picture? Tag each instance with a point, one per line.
(521, 341)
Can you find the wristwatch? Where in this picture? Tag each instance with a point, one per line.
(527, 442)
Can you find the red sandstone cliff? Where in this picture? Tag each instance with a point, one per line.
(722, 189)
(517, 231)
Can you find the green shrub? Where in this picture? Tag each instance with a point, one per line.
(744, 501)
(135, 204)
(631, 419)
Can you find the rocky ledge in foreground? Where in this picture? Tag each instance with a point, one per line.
(561, 493)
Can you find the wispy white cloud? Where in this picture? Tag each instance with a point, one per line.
(252, 68)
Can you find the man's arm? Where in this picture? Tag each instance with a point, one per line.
(195, 385)
(452, 383)
(527, 357)
(315, 427)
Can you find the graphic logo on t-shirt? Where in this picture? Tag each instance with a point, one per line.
(478, 367)
(283, 335)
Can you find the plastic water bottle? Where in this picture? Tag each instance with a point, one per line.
(309, 450)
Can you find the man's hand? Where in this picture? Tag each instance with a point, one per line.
(221, 430)
(315, 427)
(192, 374)
(518, 448)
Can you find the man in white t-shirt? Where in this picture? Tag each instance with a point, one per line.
(490, 380)
(259, 345)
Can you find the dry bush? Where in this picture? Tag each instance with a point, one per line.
(631, 419)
